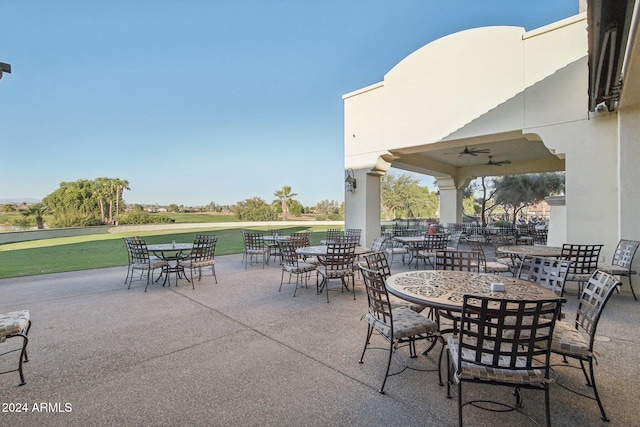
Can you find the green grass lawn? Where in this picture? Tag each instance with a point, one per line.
(107, 250)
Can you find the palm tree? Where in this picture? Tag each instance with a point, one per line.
(285, 196)
(37, 210)
(121, 185)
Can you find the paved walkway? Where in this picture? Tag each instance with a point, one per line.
(241, 353)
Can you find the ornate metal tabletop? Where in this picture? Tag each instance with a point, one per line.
(445, 289)
(531, 250)
(321, 250)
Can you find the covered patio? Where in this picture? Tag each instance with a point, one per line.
(563, 97)
(241, 353)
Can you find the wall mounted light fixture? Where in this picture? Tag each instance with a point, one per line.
(350, 181)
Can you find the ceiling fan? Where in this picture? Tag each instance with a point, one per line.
(473, 151)
(497, 163)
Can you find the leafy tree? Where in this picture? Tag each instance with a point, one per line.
(37, 210)
(254, 209)
(295, 208)
(285, 196)
(101, 192)
(84, 200)
(77, 197)
(326, 207)
(120, 186)
(9, 207)
(516, 192)
(173, 208)
(402, 196)
(485, 204)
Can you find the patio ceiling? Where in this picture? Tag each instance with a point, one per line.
(443, 158)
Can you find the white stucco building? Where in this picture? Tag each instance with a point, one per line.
(557, 98)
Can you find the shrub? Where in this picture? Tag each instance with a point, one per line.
(141, 217)
(22, 221)
(75, 220)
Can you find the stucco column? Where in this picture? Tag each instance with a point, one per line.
(362, 207)
(557, 233)
(629, 174)
(450, 201)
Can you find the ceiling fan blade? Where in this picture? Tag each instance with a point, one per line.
(491, 162)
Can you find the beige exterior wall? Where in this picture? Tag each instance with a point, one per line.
(489, 81)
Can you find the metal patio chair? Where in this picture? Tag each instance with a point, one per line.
(516, 353)
(621, 264)
(575, 340)
(397, 325)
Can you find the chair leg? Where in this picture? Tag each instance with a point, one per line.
(460, 403)
(128, 272)
(297, 280)
(448, 372)
(129, 278)
(547, 410)
(592, 382)
(366, 343)
(23, 358)
(326, 287)
(631, 286)
(386, 374)
(148, 276)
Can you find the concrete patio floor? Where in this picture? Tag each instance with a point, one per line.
(241, 353)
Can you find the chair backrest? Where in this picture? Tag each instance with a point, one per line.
(333, 234)
(540, 236)
(340, 256)
(347, 239)
(625, 251)
(299, 240)
(592, 301)
(584, 258)
(139, 251)
(378, 244)
(288, 251)
(506, 230)
(433, 242)
(507, 334)
(253, 240)
(202, 248)
(128, 242)
(548, 272)
(354, 234)
(212, 237)
(305, 233)
(454, 239)
(277, 232)
(476, 246)
(377, 261)
(455, 260)
(378, 297)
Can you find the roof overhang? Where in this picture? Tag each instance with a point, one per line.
(611, 39)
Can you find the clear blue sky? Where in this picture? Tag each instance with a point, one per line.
(194, 101)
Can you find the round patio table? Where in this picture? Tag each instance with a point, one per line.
(445, 289)
(171, 252)
(531, 250)
(321, 250)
